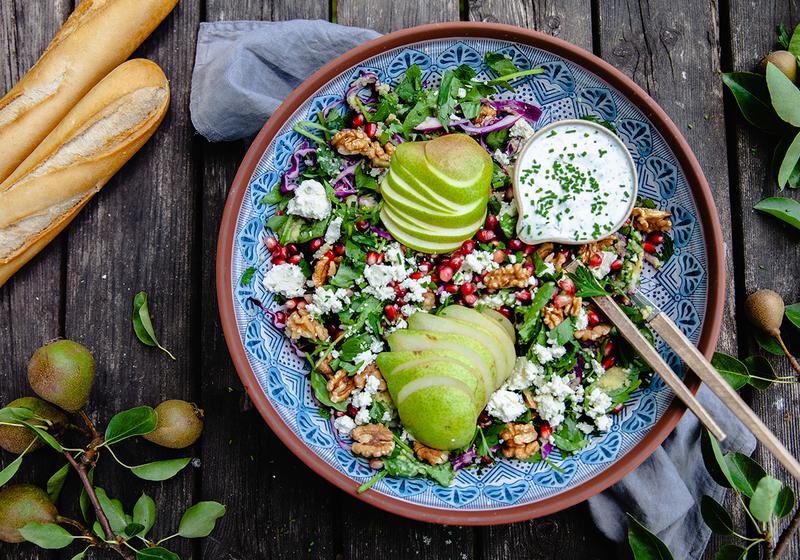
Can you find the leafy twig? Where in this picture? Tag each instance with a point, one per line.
(80, 527)
(783, 541)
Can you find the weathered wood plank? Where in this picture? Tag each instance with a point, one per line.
(139, 234)
(362, 529)
(565, 532)
(275, 503)
(29, 302)
(769, 253)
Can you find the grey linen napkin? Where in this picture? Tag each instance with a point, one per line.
(244, 70)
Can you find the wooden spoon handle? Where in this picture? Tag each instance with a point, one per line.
(698, 363)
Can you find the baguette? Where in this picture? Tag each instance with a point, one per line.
(97, 37)
(102, 132)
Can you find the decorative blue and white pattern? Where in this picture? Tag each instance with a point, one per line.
(563, 91)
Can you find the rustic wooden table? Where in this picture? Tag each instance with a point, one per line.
(154, 228)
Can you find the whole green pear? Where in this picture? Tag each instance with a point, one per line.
(21, 504)
(62, 372)
(179, 424)
(17, 439)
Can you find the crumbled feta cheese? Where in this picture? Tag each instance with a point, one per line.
(328, 300)
(399, 325)
(376, 347)
(344, 425)
(285, 279)
(378, 276)
(362, 416)
(548, 353)
(602, 269)
(324, 248)
(461, 93)
(525, 374)
(334, 231)
(393, 254)
(371, 384)
(479, 262)
(549, 269)
(509, 208)
(597, 403)
(603, 423)
(387, 416)
(363, 359)
(408, 310)
(361, 399)
(310, 201)
(598, 368)
(495, 301)
(501, 157)
(506, 405)
(581, 319)
(521, 129)
(415, 290)
(584, 427)
(550, 409)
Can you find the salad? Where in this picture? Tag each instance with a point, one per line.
(437, 339)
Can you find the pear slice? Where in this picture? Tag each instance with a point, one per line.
(494, 344)
(459, 158)
(503, 320)
(415, 242)
(431, 231)
(442, 416)
(473, 317)
(467, 350)
(411, 204)
(400, 183)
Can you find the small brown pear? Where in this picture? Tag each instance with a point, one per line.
(765, 310)
(784, 60)
(17, 439)
(179, 424)
(21, 504)
(62, 372)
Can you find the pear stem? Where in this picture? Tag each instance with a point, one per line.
(80, 527)
(792, 359)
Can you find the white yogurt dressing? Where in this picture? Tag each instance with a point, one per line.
(575, 182)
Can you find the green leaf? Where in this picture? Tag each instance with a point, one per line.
(199, 520)
(411, 84)
(319, 384)
(714, 461)
(786, 502)
(745, 472)
(247, 276)
(157, 553)
(160, 470)
(500, 63)
(768, 343)
(762, 375)
(15, 414)
(47, 535)
(144, 513)
(731, 369)
(143, 325)
(752, 96)
(81, 555)
(789, 162)
(784, 94)
(785, 209)
(274, 196)
(11, 469)
(715, 516)
(764, 499)
(730, 552)
(794, 43)
(644, 544)
(783, 37)
(56, 483)
(133, 529)
(531, 315)
(132, 422)
(113, 510)
(793, 314)
(586, 283)
(47, 438)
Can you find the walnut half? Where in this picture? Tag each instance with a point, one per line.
(595, 333)
(301, 324)
(509, 276)
(429, 454)
(650, 219)
(351, 142)
(340, 386)
(519, 440)
(324, 269)
(372, 440)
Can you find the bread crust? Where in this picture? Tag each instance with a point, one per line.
(97, 37)
(93, 141)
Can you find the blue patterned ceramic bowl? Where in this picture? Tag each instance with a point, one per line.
(574, 84)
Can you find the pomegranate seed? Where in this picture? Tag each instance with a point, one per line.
(656, 238)
(279, 212)
(530, 268)
(362, 225)
(617, 409)
(278, 260)
(391, 311)
(371, 258)
(608, 348)
(486, 460)
(616, 265)
(523, 295)
(329, 255)
(315, 244)
(295, 259)
(628, 222)
(563, 300)
(567, 285)
(609, 362)
(291, 248)
(515, 245)
(451, 288)
(280, 317)
(424, 267)
(371, 129)
(505, 312)
(529, 249)
(339, 249)
(399, 292)
(596, 259)
(445, 273)
(280, 252)
(545, 430)
(485, 235)
(358, 120)
(416, 275)
(456, 262)
(649, 248)
(509, 194)
(338, 413)
(271, 243)
(467, 289)
(471, 299)
(484, 419)
(499, 256)
(290, 304)
(468, 246)
(491, 221)
(592, 318)
(351, 410)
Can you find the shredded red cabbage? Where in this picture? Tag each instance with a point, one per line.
(345, 175)
(381, 232)
(288, 183)
(432, 123)
(546, 449)
(530, 112)
(505, 122)
(465, 459)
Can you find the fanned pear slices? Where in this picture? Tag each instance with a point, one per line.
(442, 370)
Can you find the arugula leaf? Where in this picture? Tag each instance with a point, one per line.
(568, 437)
(345, 276)
(365, 181)
(500, 63)
(354, 346)
(328, 161)
(587, 284)
(446, 99)
(295, 229)
(531, 315)
(563, 333)
(274, 196)
(497, 139)
(411, 84)
(508, 224)
(319, 384)
(247, 277)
